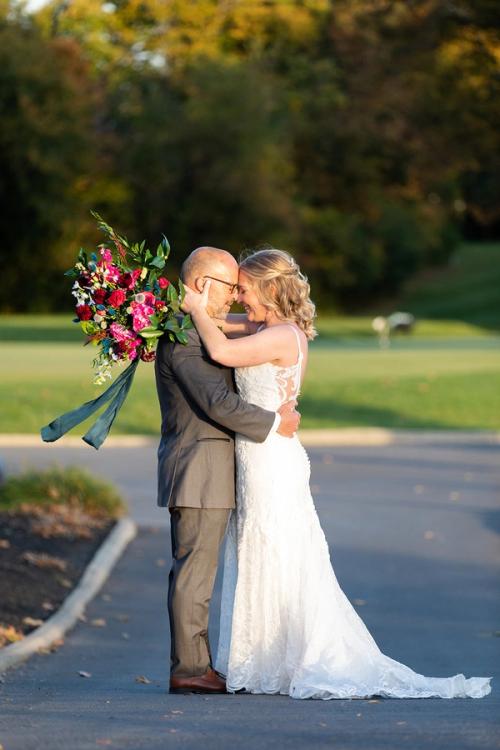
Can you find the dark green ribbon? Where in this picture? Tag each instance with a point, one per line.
(96, 435)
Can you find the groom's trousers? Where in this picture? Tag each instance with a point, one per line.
(197, 534)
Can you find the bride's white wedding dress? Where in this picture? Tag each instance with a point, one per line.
(286, 625)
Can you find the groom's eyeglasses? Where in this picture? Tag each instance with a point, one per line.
(233, 287)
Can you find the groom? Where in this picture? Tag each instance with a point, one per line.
(200, 414)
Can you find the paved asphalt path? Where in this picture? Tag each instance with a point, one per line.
(414, 535)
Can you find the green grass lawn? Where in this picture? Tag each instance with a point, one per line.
(454, 383)
(445, 375)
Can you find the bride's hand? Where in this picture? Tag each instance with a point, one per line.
(194, 301)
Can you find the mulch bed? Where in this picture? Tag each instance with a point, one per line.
(43, 554)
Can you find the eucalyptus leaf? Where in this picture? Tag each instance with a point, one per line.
(171, 325)
(187, 322)
(172, 295)
(166, 246)
(88, 327)
(150, 333)
(182, 291)
(158, 262)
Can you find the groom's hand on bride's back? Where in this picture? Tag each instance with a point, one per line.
(290, 419)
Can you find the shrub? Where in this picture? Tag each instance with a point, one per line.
(69, 486)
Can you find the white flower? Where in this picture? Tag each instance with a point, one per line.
(140, 298)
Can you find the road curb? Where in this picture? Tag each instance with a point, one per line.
(347, 436)
(96, 573)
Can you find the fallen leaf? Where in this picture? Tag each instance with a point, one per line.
(359, 714)
(143, 680)
(98, 622)
(66, 583)
(4, 544)
(327, 459)
(103, 742)
(322, 724)
(401, 723)
(33, 621)
(8, 634)
(82, 618)
(374, 700)
(429, 534)
(176, 711)
(454, 495)
(52, 648)
(125, 636)
(41, 560)
(160, 563)
(359, 602)
(106, 597)
(48, 606)
(84, 674)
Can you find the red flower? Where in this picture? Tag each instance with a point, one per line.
(129, 279)
(84, 280)
(163, 282)
(84, 312)
(147, 356)
(99, 296)
(117, 298)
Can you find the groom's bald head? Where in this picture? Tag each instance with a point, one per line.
(222, 268)
(208, 261)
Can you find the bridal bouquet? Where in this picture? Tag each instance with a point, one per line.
(124, 303)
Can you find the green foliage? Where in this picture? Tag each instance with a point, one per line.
(358, 135)
(45, 149)
(69, 486)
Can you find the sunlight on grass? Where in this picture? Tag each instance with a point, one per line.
(455, 384)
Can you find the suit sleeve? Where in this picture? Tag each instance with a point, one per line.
(203, 381)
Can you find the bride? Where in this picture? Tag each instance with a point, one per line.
(286, 625)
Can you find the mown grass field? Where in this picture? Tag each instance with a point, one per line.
(418, 383)
(446, 375)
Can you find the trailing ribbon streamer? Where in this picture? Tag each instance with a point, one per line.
(96, 435)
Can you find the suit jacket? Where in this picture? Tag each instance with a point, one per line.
(200, 414)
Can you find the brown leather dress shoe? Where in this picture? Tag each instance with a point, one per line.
(210, 682)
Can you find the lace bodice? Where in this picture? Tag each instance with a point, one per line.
(268, 385)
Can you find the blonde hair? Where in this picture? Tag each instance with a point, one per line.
(281, 287)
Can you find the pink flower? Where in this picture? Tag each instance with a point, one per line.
(120, 333)
(117, 298)
(128, 342)
(129, 280)
(106, 254)
(112, 273)
(163, 282)
(140, 315)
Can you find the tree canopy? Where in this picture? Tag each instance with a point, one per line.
(361, 135)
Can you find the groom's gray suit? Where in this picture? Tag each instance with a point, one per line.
(200, 414)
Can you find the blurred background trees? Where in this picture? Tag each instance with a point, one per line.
(361, 135)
